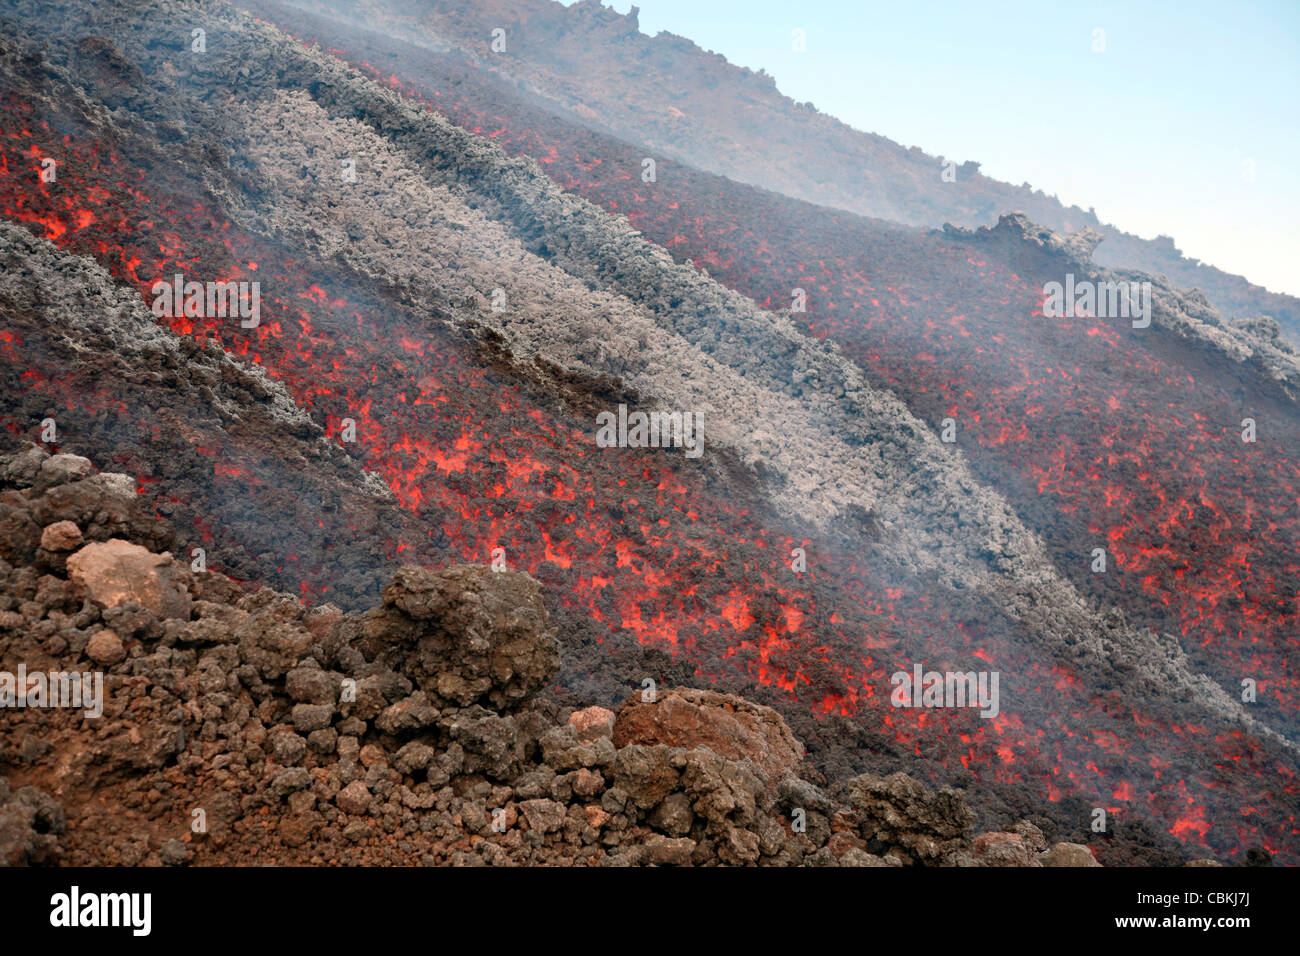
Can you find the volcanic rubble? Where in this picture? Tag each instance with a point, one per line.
(241, 725)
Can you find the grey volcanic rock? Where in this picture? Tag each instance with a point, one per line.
(1183, 312)
(31, 823)
(59, 469)
(595, 66)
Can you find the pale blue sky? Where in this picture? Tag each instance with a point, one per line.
(1160, 133)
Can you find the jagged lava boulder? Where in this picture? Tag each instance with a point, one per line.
(898, 813)
(730, 726)
(464, 634)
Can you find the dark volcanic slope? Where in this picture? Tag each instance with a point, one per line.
(377, 306)
(1046, 408)
(1052, 405)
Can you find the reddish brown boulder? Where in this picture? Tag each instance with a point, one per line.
(592, 723)
(61, 536)
(105, 647)
(116, 572)
(730, 726)
(354, 799)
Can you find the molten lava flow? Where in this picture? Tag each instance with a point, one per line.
(1199, 526)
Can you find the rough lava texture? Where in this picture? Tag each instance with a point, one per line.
(465, 634)
(240, 725)
(31, 823)
(729, 726)
(453, 201)
(1185, 312)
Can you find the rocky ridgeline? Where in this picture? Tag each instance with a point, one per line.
(241, 726)
(1255, 342)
